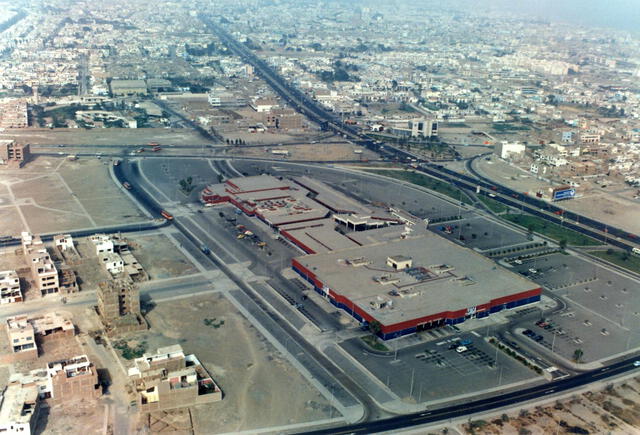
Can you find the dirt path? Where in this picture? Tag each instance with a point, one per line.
(243, 398)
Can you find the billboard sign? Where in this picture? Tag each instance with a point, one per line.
(560, 194)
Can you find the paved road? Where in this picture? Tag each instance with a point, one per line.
(321, 368)
(479, 406)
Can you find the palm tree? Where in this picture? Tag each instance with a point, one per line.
(577, 355)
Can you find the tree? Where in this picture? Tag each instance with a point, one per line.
(375, 327)
(577, 355)
(563, 244)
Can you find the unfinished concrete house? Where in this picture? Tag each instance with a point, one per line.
(27, 333)
(10, 291)
(170, 379)
(72, 380)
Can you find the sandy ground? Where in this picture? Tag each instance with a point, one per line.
(617, 211)
(59, 195)
(318, 152)
(613, 410)
(261, 389)
(107, 136)
(64, 420)
(159, 257)
(614, 208)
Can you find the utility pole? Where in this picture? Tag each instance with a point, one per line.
(413, 372)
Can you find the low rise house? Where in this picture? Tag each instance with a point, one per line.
(74, 379)
(102, 242)
(19, 406)
(68, 282)
(26, 333)
(64, 242)
(112, 262)
(170, 379)
(10, 287)
(43, 270)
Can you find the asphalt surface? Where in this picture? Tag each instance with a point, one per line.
(342, 387)
(483, 405)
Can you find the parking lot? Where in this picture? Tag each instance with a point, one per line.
(602, 316)
(365, 187)
(435, 370)
(479, 232)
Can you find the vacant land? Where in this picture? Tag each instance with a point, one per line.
(52, 194)
(613, 410)
(104, 136)
(424, 181)
(551, 230)
(159, 256)
(623, 259)
(260, 387)
(63, 420)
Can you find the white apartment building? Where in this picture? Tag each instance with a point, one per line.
(103, 244)
(507, 150)
(64, 242)
(112, 262)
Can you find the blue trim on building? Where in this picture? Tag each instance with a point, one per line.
(413, 329)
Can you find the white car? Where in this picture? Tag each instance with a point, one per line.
(636, 363)
(461, 349)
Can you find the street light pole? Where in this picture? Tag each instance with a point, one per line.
(413, 372)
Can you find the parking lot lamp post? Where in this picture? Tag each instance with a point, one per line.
(413, 372)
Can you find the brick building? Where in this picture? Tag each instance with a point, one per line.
(73, 380)
(14, 154)
(119, 306)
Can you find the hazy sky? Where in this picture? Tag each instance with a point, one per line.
(622, 14)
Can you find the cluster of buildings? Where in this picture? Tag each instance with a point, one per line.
(114, 255)
(14, 114)
(67, 381)
(378, 264)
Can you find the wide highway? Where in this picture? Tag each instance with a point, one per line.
(484, 405)
(328, 120)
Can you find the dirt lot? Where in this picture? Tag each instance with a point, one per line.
(63, 420)
(614, 208)
(59, 195)
(107, 136)
(260, 387)
(159, 257)
(614, 410)
(617, 211)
